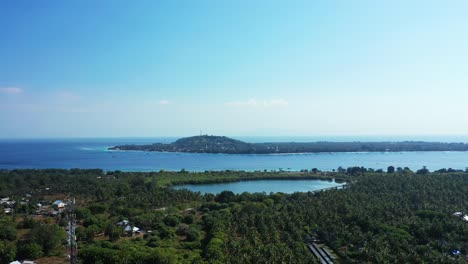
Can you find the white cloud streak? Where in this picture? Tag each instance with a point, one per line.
(254, 103)
(11, 90)
(69, 96)
(164, 102)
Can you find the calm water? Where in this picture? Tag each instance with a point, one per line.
(267, 186)
(93, 153)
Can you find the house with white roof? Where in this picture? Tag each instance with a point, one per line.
(131, 229)
(59, 204)
(123, 223)
(457, 213)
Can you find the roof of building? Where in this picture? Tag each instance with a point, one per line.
(123, 223)
(130, 228)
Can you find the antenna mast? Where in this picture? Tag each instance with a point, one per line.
(72, 246)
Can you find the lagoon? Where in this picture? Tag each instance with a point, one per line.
(267, 186)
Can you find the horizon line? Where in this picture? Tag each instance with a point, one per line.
(234, 136)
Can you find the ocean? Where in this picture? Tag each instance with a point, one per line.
(92, 153)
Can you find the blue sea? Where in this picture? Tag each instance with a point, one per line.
(94, 153)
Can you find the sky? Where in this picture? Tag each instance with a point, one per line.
(237, 68)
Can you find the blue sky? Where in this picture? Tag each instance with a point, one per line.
(238, 68)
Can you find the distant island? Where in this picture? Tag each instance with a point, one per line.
(221, 144)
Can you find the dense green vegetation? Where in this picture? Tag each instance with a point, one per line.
(217, 144)
(397, 216)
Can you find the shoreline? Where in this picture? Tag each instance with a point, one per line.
(285, 153)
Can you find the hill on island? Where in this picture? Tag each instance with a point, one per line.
(222, 144)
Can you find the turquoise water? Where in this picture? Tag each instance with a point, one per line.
(267, 186)
(93, 153)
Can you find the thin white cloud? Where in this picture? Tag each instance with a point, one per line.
(247, 103)
(164, 102)
(11, 90)
(67, 98)
(254, 103)
(66, 95)
(276, 103)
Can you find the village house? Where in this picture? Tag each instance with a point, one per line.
(128, 228)
(59, 204)
(7, 202)
(131, 229)
(123, 223)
